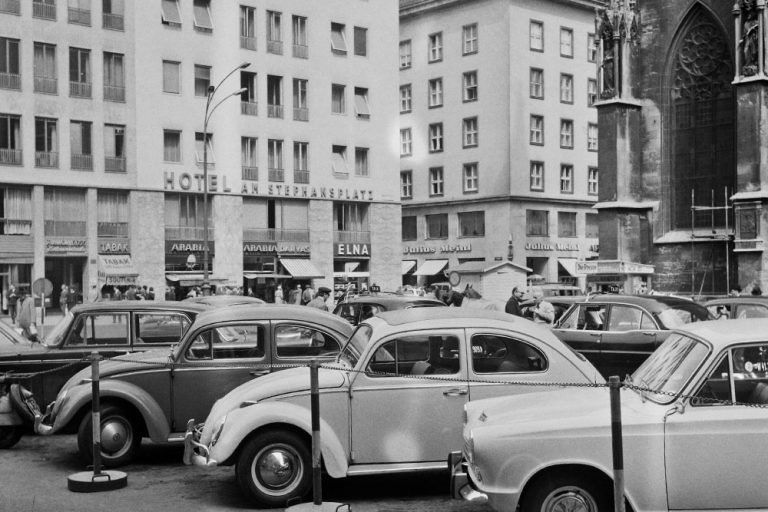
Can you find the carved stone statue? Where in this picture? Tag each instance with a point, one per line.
(749, 40)
(608, 64)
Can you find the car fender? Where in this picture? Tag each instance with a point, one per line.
(80, 396)
(244, 421)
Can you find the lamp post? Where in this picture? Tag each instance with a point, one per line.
(208, 113)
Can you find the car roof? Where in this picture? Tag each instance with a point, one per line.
(246, 312)
(650, 302)
(141, 305)
(722, 333)
(394, 300)
(224, 300)
(444, 315)
(746, 299)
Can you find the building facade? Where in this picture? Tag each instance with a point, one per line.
(120, 126)
(498, 136)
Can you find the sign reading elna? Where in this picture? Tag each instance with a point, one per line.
(361, 250)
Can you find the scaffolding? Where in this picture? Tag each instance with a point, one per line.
(726, 236)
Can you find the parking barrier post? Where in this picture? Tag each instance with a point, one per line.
(614, 385)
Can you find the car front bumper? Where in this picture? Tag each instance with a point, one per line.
(461, 484)
(196, 453)
(44, 422)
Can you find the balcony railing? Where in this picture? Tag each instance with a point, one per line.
(250, 173)
(82, 162)
(300, 176)
(11, 156)
(249, 108)
(15, 227)
(301, 114)
(114, 93)
(10, 81)
(113, 21)
(275, 235)
(275, 111)
(277, 175)
(79, 16)
(43, 10)
(64, 228)
(186, 233)
(114, 164)
(10, 6)
(46, 159)
(351, 237)
(112, 229)
(301, 51)
(80, 89)
(275, 47)
(248, 42)
(46, 85)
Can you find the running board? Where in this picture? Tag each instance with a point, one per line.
(379, 469)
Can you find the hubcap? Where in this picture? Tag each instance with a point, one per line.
(569, 499)
(277, 469)
(115, 436)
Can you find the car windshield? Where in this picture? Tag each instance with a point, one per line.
(680, 314)
(668, 369)
(352, 351)
(56, 336)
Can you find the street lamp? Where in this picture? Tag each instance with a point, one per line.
(208, 113)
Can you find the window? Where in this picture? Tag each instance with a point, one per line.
(248, 104)
(471, 180)
(592, 230)
(437, 226)
(338, 39)
(361, 162)
(591, 137)
(44, 68)
(10, 77)
(339, 160)
(202, 12)
(202, 80)
(566, 88)
(566, 42)
(566, 179)
(166, 328)
(303, 341)
(249, 158)
(592, 181)
(536, 36)
(435, 87)
(591, 48)
(10, 139)
(537, 176)
(362, 109)
(46, 142)
(275, 160)
(499, 354)
(300, 41)
(300, 108)
(469, 132)
(80, 145)
(114, 77)
(591, 92)
(275, 96)
(406, 188)
(566, 133)
(274, 32)
(537, 222)
(470, 86)
(79, 73)
(247, 27)
(436, 181)
(471, 223)
(435, 137)
(406, 144)
(537, 130)
(204, 149)
(301, 162)
(338, 99)
(409, 228)
(415, 355)
(228, 342)
(361, 41)
(63, 212)
(435, 47)
(171, 146)
(171, 77)
(405, 54)
(537, 83)
(114, 148)
(566, 224)
(170, 13)
(469, 39)
(113, 14)
(628, 318)
(405, 98)
(94, 330)
(43, 9)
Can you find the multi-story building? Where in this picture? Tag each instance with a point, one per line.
(108, 161)
(498, 135)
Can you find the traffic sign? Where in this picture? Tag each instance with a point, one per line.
(42, 286)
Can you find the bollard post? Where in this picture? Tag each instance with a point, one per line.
(614, 385)
(95, 413)
(317, 481)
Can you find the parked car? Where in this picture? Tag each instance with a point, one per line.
(690, 429)
(224, 300)
(358, 309)
(154, 394)
(392, 401)
(618, 332)
(9, 335)
(110, 328)
(748, 306)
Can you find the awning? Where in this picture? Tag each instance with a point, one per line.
(301, 268)
(264, 275)
(117, 270)
(351, 275)
(407, 266)
(569, 265)
(431, 267)
(192, 278)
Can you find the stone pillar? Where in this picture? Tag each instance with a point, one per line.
(38, 232)
(228, 235)
(321, 240)
(90, 272)
(147, 232)
(386, 251)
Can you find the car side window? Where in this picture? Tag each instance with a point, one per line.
(348, 312)
(586, 317)
(303, 341)
(369, 310)
(155, 328)
(751, 311)
(501, 354)
(416, 355)
(716, 387)
(749, 380)
(628, 318)
(92, 330)
(244, 341)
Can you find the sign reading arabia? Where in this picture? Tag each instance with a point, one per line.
(274, 248)
(187, 246)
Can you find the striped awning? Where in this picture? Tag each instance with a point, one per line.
(301, 268)
(431, 267)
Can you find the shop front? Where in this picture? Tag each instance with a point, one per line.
(616, 276)
(556, 261)
(15, 265)
(115, 268)
(351, 267)
(184, 267)
(65, 264)
(268, 266)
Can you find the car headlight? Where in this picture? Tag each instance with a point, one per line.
(469, 449)
(464, 415)
(217, 430)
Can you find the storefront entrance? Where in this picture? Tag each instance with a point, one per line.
(66, 270)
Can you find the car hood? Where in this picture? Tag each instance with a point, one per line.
(121, 364)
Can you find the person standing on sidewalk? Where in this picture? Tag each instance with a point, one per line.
(13, 299)
(64, 299)
(27, 320)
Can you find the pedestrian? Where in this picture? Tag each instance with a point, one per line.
(543, 312)
(93, 295)
(513, 304)
(735, 291)
(73, 298)
(130, 294)
(13, 299)
(151, 293)
(279, 294)
(756, 290)
(64, 299)
(319, 300)
(307, 295)
(294, 297)
(27, 320)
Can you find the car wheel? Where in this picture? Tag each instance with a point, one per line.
(565, 492)
(119, 437)
(9, 436)
(274, 467)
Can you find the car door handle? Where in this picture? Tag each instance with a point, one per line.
(649, 333)
(595, 334)
(455, 392)
(258, 373)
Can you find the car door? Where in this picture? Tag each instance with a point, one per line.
(407, 405)
(215, 360)
(582, 328)
(628, 341)
(715, 452)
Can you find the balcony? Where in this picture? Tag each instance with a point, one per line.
(10, 6)
(300, 176)
(82, 162)
(301, 51)
(79, 89)
(275, 47)
(112, 229)
(248, 42)
(276, 175)
(11, 156)
(249, 108)
(114, 164)
(301, 114)
(276, 235)
(43, 10)
(275, 111)
(112, 21)
(79, 16)
(186, 233)
(114, 93)
(46, 159)
(15, 227)
(64, 228)
(351, 237)
(250, 173)
(46, 85)
(10, 81)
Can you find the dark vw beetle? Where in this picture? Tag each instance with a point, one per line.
(365, 306)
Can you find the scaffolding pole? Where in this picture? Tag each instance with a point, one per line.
(712, 209)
